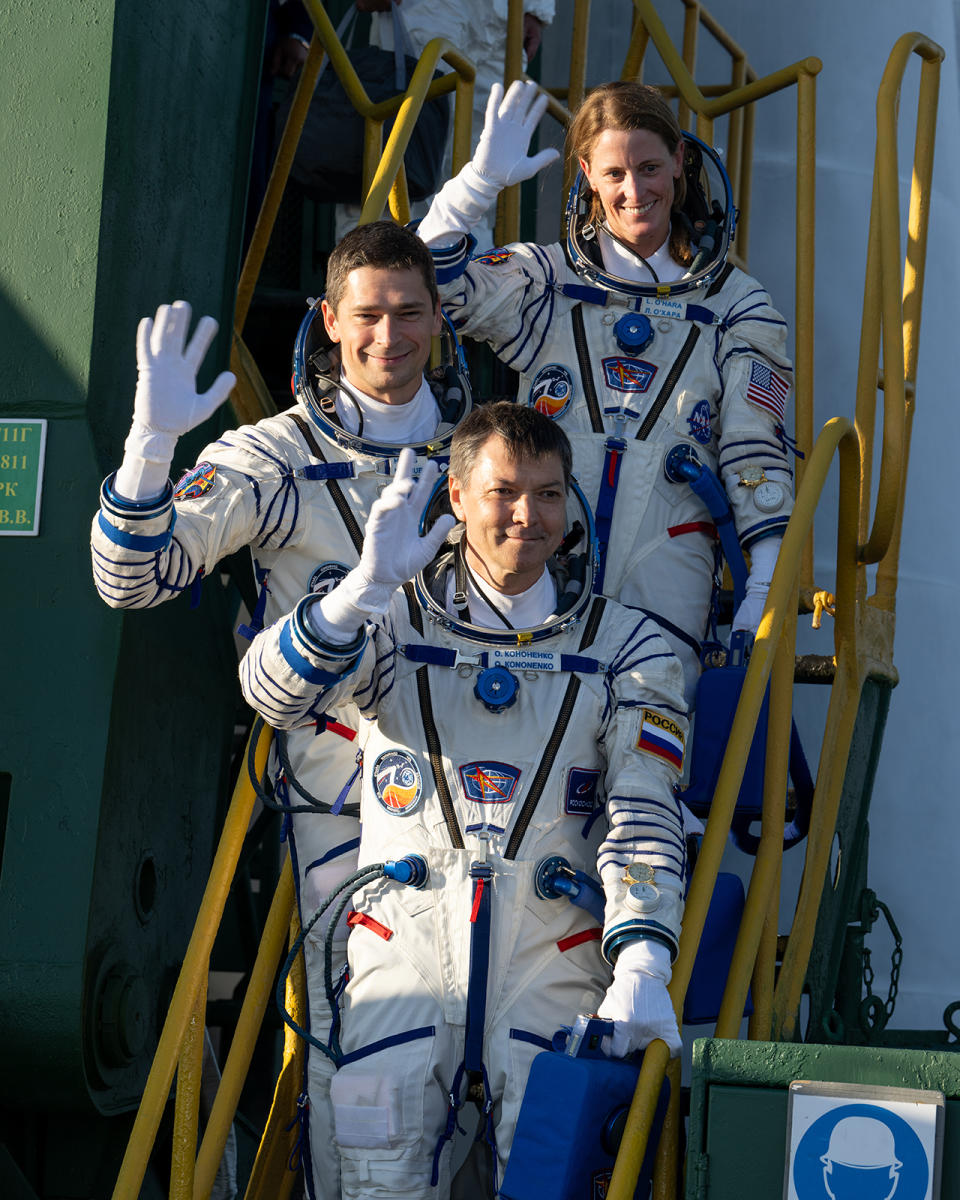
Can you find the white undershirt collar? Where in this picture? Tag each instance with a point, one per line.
(396, 424)
(621, 261)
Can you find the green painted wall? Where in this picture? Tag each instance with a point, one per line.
(126, 140)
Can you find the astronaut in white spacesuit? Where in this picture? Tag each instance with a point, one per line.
(296, 488)
(639, 338)
(511, 718)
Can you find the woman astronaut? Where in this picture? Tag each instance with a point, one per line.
(638, 337)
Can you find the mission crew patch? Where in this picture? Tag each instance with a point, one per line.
(195, 482)
(660, 736)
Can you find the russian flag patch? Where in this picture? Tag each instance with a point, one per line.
(661, 736)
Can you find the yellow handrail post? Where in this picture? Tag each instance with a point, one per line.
(192, 973)
(271, 1178)
(804, 295)
(186, 1109)
(666, 1166)
(256, 1000)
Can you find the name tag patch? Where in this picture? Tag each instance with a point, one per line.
(661, 736)
(524, 659)
(581, 797)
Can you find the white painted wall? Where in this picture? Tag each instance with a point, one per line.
(916, 804)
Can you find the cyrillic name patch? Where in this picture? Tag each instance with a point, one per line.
(661, 736)
(195, 482)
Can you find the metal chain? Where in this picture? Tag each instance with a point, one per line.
(896, 960)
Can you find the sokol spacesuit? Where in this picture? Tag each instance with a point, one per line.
(296, 488)
(633, 356)
(486, 751)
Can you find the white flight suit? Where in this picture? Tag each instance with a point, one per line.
(249, 489)
(594, 746)
(715, 377)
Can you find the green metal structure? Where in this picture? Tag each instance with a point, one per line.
(127, 146)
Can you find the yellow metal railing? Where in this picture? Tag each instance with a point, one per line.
(863, 634)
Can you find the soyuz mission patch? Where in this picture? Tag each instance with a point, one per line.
(195, 482)
(326, 576)
(628, 374)
(489, 782)
(699, 422)
(660, 736)
(397, 782)
(551, 390)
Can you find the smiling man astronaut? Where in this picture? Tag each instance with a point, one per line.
(510, 716)
(296, 489)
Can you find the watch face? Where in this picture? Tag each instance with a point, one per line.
(751, 476)
(638, 872)
(768, 497)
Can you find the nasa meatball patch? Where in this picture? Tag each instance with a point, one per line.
(551, 390)
(660, 736)
(195, 482)
(397, 782)
(699, 423)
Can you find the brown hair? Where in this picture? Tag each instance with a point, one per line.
(623, 105)
(379, 244)
(526, 432)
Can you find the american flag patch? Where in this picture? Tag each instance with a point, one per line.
(661, 736)
(767, 389)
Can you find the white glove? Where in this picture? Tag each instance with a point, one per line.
(638, 1001)
(763, 558)
(499, 160)
(393, 552)
(501, 154)
(167, 403)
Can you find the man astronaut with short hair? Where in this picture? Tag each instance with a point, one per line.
(296, 488)
(510, 717)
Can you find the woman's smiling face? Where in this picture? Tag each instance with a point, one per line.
(633, 173)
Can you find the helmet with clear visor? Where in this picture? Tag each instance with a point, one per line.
(573, 567)
(707, 215)
(317, 380)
